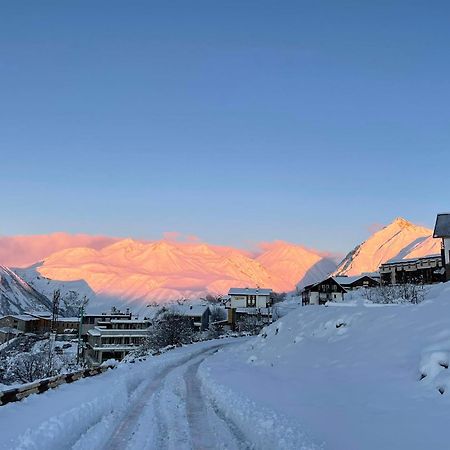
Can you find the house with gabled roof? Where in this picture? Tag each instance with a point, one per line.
(249, 302)
(333, 289)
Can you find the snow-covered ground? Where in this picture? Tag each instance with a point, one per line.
(352, 376)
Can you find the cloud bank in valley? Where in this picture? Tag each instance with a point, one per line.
(23, 251)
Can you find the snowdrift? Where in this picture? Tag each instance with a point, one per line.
(353, 376)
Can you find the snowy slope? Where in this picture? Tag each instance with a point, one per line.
(400, 239)
(17, 296)
(165, 270)
(47, 286)
(295, 264)
(356, 377)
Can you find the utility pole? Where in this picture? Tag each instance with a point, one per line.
(52, 337)
(80, 327)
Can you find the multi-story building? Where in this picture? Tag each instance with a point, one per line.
(244, 302)
(425, 270)
(114, 339)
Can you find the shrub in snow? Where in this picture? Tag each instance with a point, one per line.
(395, 293)
(250, 324)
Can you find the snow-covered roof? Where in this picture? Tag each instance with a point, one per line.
(190, 310)
(128, 321)
(23, 317)
(68, 319)
(411, 260)
(442, 226)
(249, 291)
(343, 281)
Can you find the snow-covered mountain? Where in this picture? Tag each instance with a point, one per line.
(400, 239)
(70, 290)
(17, 296)
(166, 270)
(295, 264)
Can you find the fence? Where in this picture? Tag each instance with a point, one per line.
(17, 394)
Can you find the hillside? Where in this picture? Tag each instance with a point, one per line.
(17, 296)
(400, 239)
(382, 385)
(165, 270)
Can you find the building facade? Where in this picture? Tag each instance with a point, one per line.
(114, 339)
(426, 270)
(442, 231)
(244, 302)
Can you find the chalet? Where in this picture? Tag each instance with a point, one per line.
(25, 323)
(249, 302)
(323, 292)
(425, 270)
(333, 289)
(442, 231)
(114, 339)
(198, 314)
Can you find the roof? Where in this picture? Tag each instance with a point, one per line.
(128, 321)
(190, 310)
(24, 317)
(249, 291)
(68, 319)
(442, 226)
(343, 281)
(411, 260)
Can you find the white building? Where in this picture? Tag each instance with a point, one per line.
(115, 339)
(249, 301)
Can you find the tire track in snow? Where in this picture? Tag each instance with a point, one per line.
(210, 429)
(150, 398)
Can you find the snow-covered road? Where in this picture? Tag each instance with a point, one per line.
(153, 404)
(171, 413)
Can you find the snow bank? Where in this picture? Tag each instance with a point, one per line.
(354, 377)
(83, 414)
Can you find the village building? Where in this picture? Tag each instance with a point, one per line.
(425, 270)
(333, 289)
(92, 320)
(25, 323)
(114, 339)
(243, 302)
(198, 315)
(442, 231)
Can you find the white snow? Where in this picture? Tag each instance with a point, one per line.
(354, 377)
(350, 376)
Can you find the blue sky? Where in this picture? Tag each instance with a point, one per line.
(236, 121)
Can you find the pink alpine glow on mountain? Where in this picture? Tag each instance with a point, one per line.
(401, 239)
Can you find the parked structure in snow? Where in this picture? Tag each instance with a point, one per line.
(244, 302)
(426, 270)
(115, 338)
(442, 231)
(335, 288)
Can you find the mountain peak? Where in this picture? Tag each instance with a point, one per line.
(402, 223)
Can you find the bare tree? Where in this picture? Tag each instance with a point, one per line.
(170, 328)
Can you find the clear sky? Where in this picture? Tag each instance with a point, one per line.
(236, 121)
